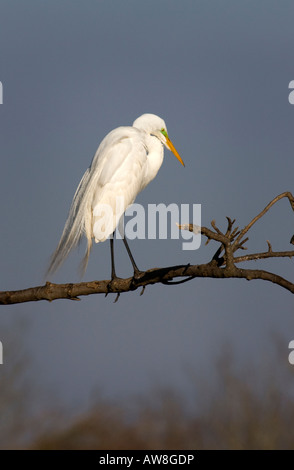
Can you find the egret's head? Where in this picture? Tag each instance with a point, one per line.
(164, 138)
(154, 125)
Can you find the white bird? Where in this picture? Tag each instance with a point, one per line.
(127, 159)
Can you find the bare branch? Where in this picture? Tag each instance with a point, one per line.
(52, 291)
(276, 199)
(267, 254)
(218, 267)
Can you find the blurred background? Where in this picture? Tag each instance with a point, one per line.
(188, 366)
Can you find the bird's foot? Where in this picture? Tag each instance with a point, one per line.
(138, 274)
(137, 277)
(112, 287)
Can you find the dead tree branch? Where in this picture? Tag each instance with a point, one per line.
(222, 265)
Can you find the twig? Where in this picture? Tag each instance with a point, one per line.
(276, 199)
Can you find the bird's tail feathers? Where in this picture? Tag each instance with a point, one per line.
(84, 262)
(74, 229)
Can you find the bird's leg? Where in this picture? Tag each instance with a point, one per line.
(137, 272)
(113, 273)
(110, 286)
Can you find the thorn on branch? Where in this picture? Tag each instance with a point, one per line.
(187, 266)
(49, 284)
(117, 297)
(269, 247)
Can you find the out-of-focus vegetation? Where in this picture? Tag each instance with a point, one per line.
(241, 411)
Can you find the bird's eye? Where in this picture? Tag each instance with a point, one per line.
(163, 131)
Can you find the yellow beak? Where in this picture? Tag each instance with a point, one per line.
(171, 147)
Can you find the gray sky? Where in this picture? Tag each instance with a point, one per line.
(217, 72)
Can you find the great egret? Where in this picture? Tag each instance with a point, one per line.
(127, 159)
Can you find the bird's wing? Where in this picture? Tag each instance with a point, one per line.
(120, 180)
(111, 165)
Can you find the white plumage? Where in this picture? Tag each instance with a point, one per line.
(127, 159)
